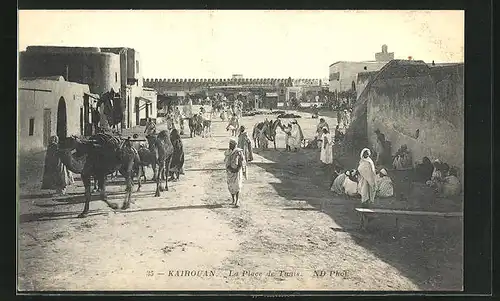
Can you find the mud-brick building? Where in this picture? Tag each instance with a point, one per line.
(417, 104)
(49, 106)
(145, 106)
(102, 69)
(138, 101)
(343, 74)
(85, 65)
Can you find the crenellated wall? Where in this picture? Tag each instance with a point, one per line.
(195, 85)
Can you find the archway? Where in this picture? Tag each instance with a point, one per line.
(62, 124)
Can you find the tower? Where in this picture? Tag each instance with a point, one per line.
(384, 56)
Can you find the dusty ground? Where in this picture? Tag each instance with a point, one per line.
(277, 240)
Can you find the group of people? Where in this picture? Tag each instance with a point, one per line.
(370, 182)
(294, 136)
(440, 177)
(365, 181)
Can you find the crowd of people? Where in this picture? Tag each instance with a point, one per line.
(369, 180)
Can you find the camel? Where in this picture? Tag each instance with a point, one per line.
(270, 128)
(159, 154)
(101, 155)
(195, 125)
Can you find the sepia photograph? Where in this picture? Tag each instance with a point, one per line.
(240, 150)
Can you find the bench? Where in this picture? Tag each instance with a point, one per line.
(367, 211)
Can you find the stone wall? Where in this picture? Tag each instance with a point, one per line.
(198, 84)
(363, 79)
(407, 96)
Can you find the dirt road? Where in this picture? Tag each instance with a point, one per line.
(190, 238)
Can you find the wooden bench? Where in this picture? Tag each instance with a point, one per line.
(367, 211)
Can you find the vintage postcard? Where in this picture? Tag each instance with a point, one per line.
(226, 150)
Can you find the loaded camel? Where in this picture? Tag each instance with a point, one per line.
(97, 157)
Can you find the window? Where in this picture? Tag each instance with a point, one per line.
(116, 77)
(32, 126)
(137, 67)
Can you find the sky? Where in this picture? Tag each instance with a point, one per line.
(257, 44)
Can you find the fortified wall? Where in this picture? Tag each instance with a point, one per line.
(414, 104)
(195, 85)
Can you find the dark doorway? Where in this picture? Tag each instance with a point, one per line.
(62, 123)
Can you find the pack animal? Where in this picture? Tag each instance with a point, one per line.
(97, 157)
(159, 155)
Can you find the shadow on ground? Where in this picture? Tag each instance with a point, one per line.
(52, 216)
(215, 206)
(431, 258)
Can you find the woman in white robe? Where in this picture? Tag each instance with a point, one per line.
(326, 155)
(367, 178)
(296, 136)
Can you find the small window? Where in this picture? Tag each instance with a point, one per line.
(116, 77)
(137, 67)
(32, 126)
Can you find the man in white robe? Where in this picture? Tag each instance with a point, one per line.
(235, 170)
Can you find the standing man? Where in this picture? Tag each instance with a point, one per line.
(245, 144)
(235, 170)
(233, 125)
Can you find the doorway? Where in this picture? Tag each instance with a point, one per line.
(47, 126)
(62, 122)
